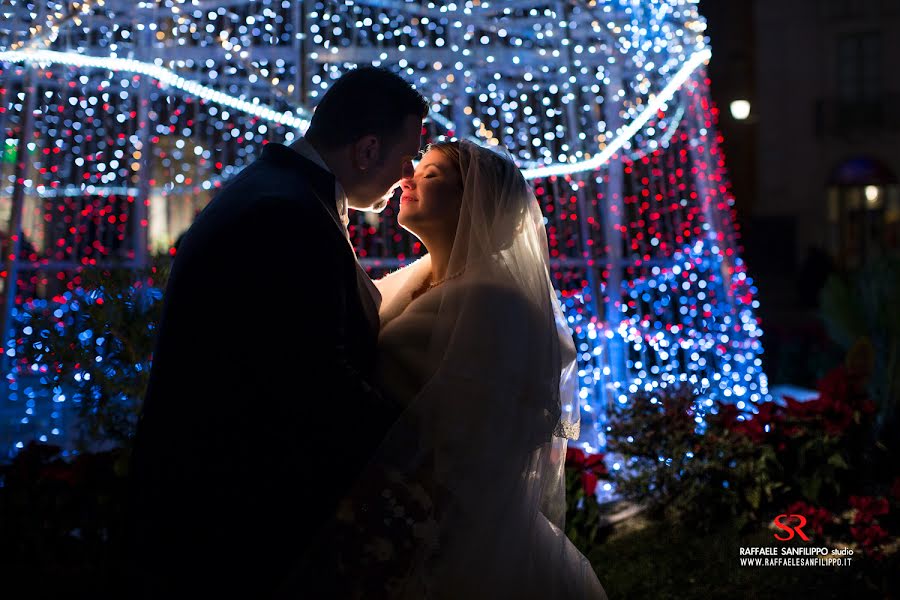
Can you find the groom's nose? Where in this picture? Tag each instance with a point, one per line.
(407, 169)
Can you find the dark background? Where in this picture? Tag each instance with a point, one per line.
(819, 77)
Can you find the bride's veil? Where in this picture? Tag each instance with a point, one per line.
(502, 324)
(475, 466)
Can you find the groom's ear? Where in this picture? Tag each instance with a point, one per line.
(367, 152)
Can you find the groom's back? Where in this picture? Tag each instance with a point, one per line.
(232, 423)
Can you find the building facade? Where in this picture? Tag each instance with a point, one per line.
(827, 128)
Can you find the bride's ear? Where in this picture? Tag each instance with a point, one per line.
(366, 152)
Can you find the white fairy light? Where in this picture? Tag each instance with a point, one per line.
(161, 74)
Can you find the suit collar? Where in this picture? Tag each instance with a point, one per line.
(322, 184)
(320, 180)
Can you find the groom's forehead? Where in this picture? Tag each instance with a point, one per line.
(415, 156)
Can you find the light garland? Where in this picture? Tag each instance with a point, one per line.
(195, 88)
(628, 132)
(605, 106)
(161, 74)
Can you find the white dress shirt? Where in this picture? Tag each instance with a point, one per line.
(305, 149)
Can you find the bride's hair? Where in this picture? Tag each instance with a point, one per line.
(450, 150)
(497, 177)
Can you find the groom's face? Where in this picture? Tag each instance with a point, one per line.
(394, 158)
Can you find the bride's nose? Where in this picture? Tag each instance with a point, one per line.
(407, 183)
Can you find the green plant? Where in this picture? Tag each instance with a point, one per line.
(583, 522)
(95, 345)
(680, 472)
(62, 523)
(862, 305)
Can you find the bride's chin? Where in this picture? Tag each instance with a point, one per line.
(406, 227)
(406, 223)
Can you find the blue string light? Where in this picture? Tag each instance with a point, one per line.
(604, 103)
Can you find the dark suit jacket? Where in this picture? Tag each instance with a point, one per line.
(258, 414)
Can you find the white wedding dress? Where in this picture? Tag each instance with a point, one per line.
(465, 497)
(489, 430)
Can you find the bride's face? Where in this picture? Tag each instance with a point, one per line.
(431, 197)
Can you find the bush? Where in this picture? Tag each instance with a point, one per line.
(818, 458)
(61, 522)
(860, 306)
(97, 342)
(680, 472)
(583, 473)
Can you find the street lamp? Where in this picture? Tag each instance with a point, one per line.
(740, 109)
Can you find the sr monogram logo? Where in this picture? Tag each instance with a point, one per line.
(790, 530)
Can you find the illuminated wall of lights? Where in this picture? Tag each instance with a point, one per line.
(143, 109)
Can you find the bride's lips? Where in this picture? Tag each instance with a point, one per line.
(407, 198)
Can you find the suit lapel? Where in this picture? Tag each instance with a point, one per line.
(322, 186)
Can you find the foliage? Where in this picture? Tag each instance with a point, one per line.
(861, 305)
(746, 468)
(667, 560)
(799, 351)
(683, 473)
(583, 472)
(94, 346)
(61, 522)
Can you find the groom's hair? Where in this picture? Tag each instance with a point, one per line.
(365, 101)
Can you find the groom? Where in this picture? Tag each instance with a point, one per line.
(259, 413)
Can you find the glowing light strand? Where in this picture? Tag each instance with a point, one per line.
(161, 74)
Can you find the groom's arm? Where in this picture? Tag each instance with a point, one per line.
(302, 263)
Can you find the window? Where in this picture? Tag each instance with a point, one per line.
(851, 9)
(863, 212)
(859, 80)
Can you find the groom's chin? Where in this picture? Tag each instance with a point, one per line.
(380, 205)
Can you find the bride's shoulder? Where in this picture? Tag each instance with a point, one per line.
(417, 269)
(491, 294)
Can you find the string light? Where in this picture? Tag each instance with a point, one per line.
(161, 74)
(629, 131)
(605, 105)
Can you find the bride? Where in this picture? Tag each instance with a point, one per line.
(465, 498)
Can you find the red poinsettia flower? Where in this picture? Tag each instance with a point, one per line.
(838, 418)
(801, 410)
(841, 393)
(868, 507)
(59, 471)
(816, 517)
(588, 482)
(834, 384)
(594, 470)
(728, 413)
(792, 431)
(591, 466)
(574, 457)
(769, 412)
(870, 536)
(752, 428)
(596, 464)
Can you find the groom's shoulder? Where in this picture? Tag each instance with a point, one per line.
(266, 177)
(266, 185)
